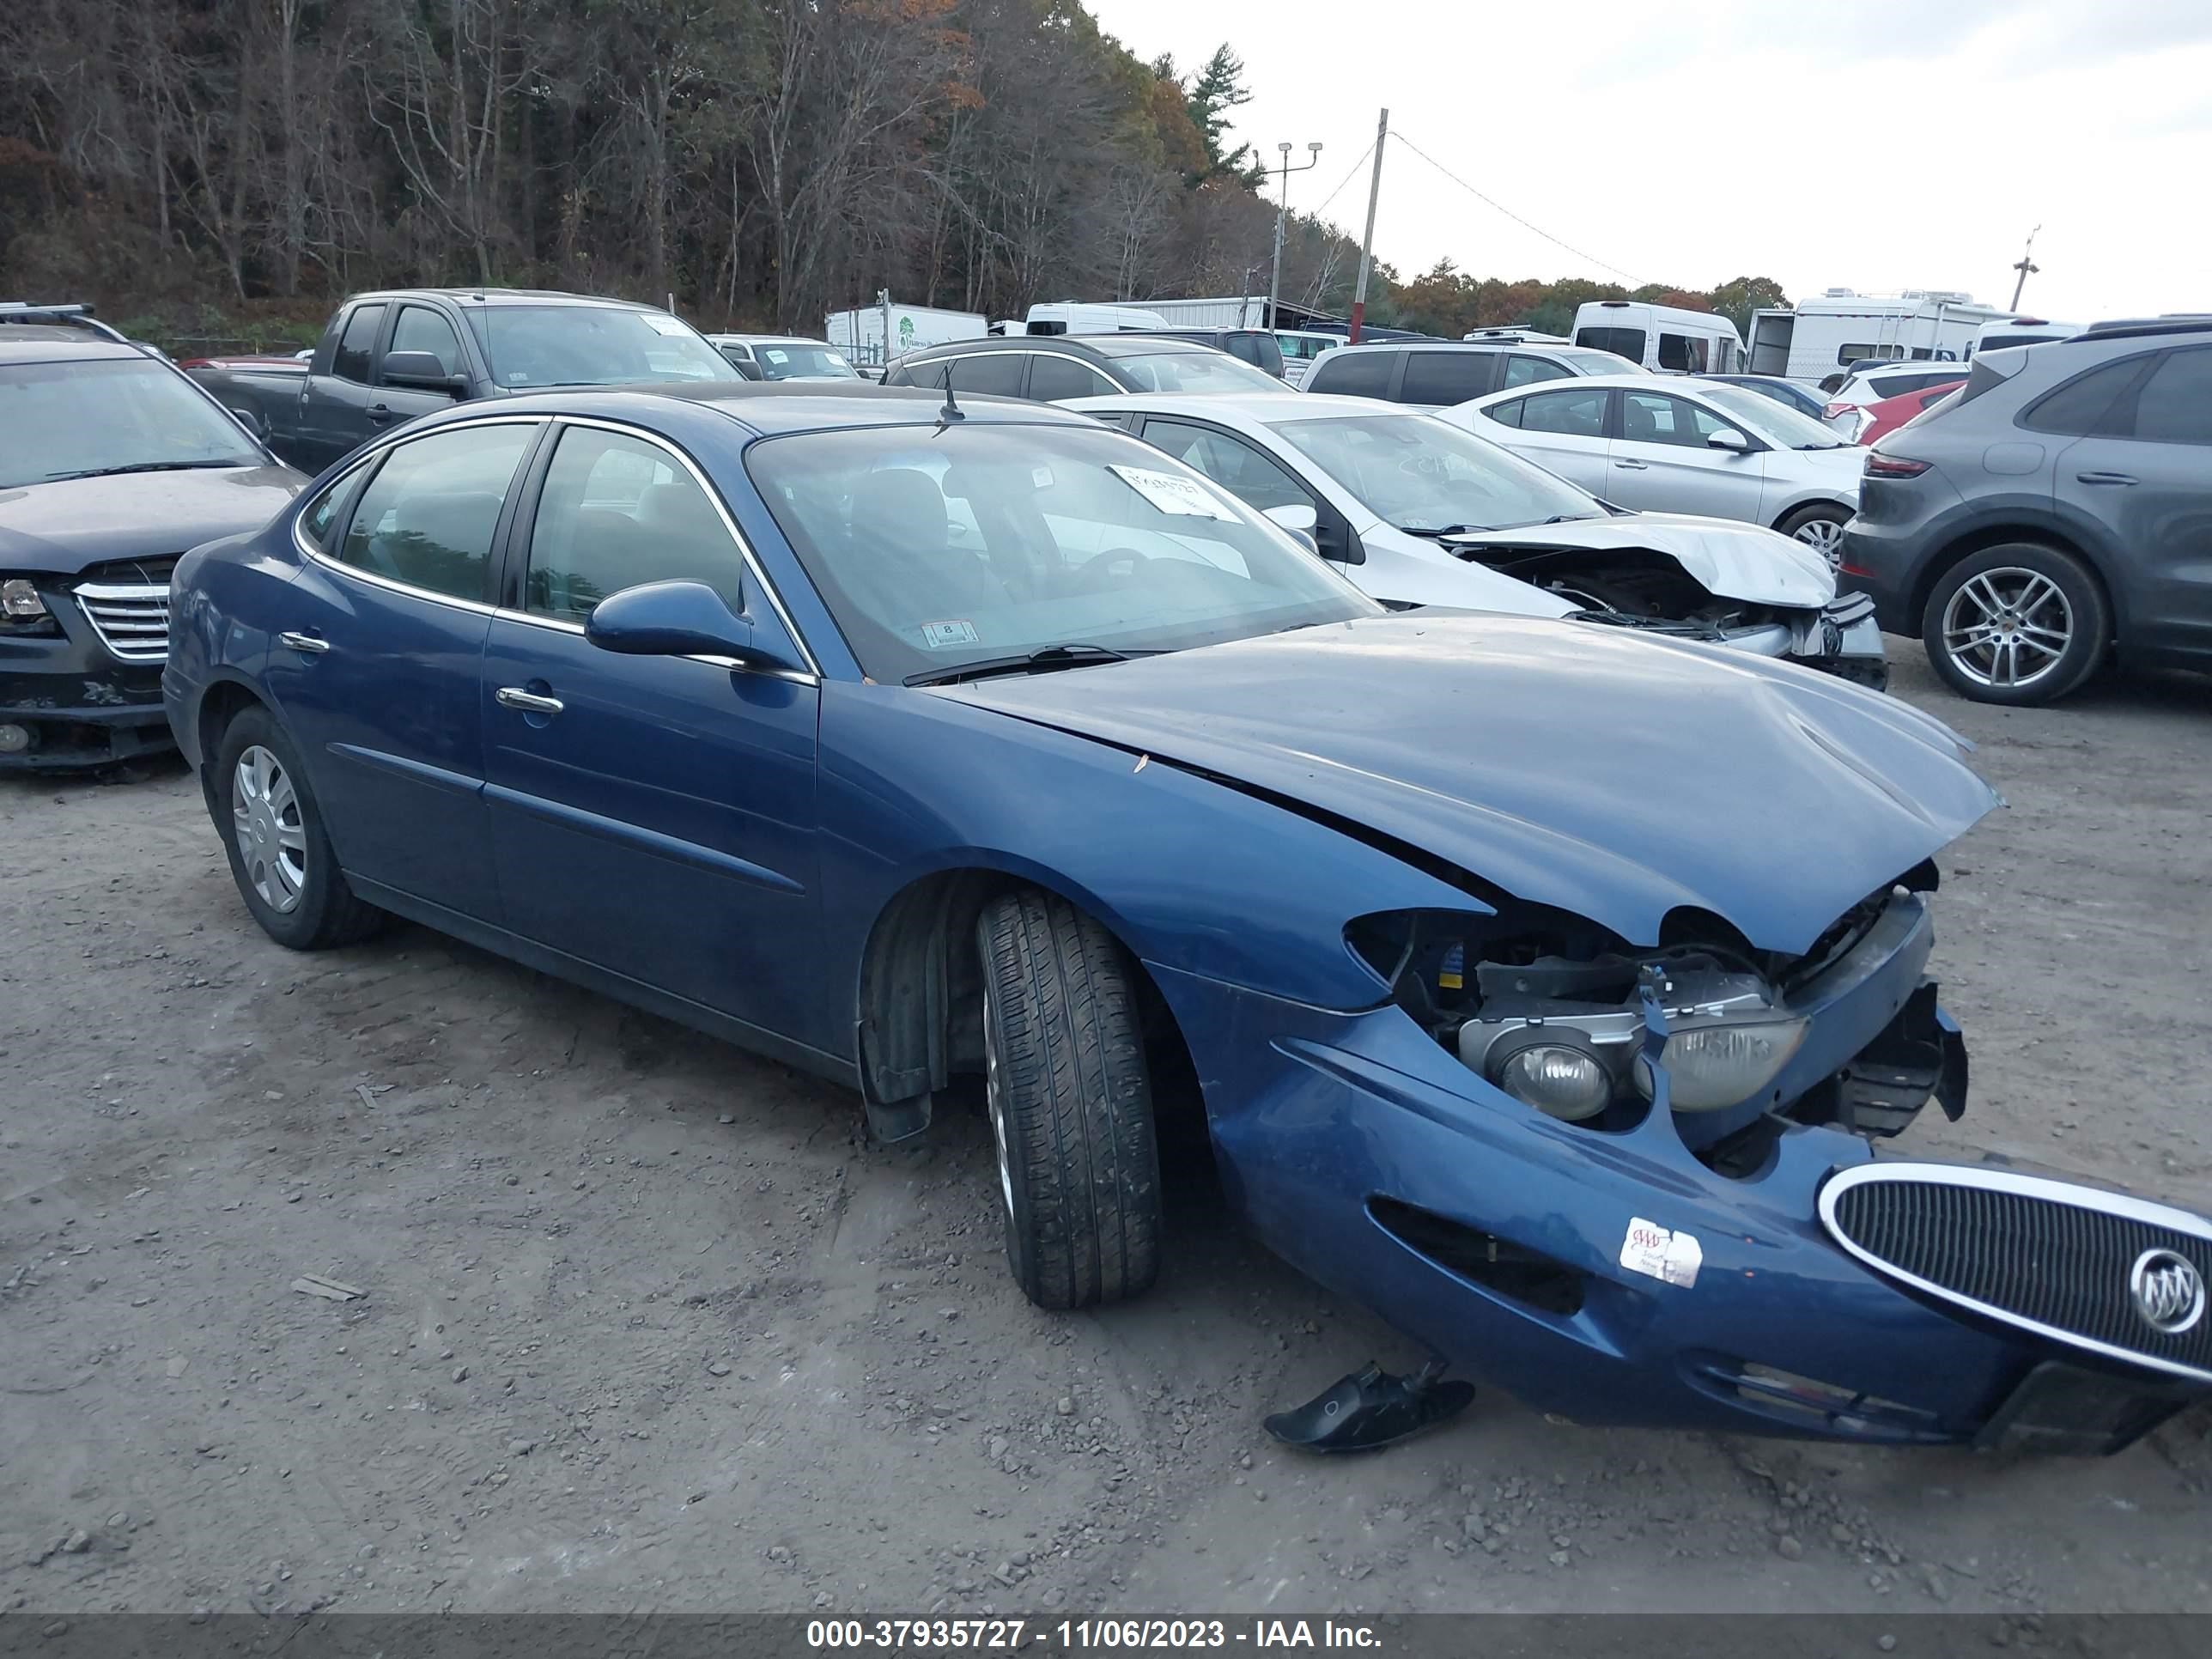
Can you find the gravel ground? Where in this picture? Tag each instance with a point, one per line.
(648, 1325)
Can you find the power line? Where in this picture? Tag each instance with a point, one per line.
(1510, 214)
(1316, 213)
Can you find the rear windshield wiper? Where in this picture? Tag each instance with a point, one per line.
(147, 466)
(1052, 656)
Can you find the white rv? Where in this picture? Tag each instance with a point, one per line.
(1665, 339)
(1819, 338)
(1073, 316)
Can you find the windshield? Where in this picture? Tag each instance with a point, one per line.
(1763, 418)
(936, 547)
(1419, 474)
(71, 420)
(1191, 371)
(591, 345)
(798, 359)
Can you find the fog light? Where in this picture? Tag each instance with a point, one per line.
(20, 601)
(15, 739)
(1712, 1066)
(1556, 1079)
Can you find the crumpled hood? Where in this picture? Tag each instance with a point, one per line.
(1615, 776)
(1730, 560)
(59, 528)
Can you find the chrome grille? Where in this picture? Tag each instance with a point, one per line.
(2042, 1255)
(127, 602)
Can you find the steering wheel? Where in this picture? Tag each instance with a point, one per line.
(1112, 567)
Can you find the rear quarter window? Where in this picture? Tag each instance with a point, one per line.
(1353, 373)
(2088, 405)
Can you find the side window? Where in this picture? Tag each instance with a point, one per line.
(2086, 406)
(1574, 413)
(998, 372)
(1683, 352)
(930, 375)
(1053, 377)
(2175, 405)
(423, 330)
(1507, 413)
(427, 517)
(1254, 478)
(1527, 371)
(315, 523)
(617, 511)
(1446, 377)
(1621, 342)
(1647, 417)
(1353, 373)
(355, 345)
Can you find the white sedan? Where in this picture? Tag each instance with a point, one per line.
(1682, 445)
(1418, 512)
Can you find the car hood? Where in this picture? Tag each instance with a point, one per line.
(1616, 777)
(1729, 559)
(59, 528)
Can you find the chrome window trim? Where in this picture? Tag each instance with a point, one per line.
(2025, 1186)
(560, 625)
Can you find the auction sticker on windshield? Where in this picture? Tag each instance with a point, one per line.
(1184, 497)
(945, 636)
(668, 325)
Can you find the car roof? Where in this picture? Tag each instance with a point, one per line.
(38, 342)
(767, 407)
(1264, 408)
(500, 296)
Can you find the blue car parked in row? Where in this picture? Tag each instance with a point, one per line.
(1543, 987)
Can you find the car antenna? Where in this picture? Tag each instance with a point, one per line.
(951, 411)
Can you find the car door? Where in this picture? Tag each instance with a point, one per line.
(377, 671)
(2145, 476)
(652, 816)
(335, 398)
(1562, 431)
(1258, 479)
(1659, 460)
(416, 328)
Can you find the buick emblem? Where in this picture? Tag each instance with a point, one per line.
(2169, 1291)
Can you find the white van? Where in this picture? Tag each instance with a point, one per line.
(1073, 317)
(1300, 347)
(1665, 339)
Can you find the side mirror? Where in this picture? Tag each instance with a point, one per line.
(1296, 520)
(676, 619)
(421, 369)
(1729, 438)
(252, 420)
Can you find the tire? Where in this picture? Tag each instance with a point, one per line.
(1820, 527)
(286, 873)
(1070, 1102)
(2018, 624)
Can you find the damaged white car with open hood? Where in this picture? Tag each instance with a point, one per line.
(1418, 512)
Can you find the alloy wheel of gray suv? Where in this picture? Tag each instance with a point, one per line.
(2017, 623)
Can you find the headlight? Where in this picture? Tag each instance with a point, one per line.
(1549, 1071)
(1714, 1065)
(20, 601)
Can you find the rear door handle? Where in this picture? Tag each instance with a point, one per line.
(1633, 466)
(2105, 478)
(513, 697)
(313, 644)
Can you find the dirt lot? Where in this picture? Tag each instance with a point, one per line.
(647, 1325)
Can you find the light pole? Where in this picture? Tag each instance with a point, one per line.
(1282, 212)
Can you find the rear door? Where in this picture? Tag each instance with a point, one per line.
(334, 403)
(2145, 476)
(1659, 461)
(1563, 431)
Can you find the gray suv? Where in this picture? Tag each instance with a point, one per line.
(2055, 511)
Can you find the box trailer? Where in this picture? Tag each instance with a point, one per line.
(870, 335)
(1819, 337)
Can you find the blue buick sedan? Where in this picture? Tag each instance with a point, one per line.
(1545, 989)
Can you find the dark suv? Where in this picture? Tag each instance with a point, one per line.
(2057, 509)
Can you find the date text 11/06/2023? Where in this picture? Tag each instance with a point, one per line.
(1010, 1634)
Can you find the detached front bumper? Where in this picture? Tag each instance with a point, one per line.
(1843, 639)
(1616, 1278)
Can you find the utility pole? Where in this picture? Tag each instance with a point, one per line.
(883, 299)
(2027, 266)
(1282, 212)
(1367, 241)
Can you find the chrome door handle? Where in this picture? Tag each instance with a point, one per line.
(513, 697)
(306, 643)
(1633, 466)
(2104, 478)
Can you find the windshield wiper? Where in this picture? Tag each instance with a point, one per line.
(1032, 662)
(147, 466)
(1437, 532)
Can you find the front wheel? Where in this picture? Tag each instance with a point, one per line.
(273, 832)
(1820, 527)
(2017, 623)
(1071, 1104)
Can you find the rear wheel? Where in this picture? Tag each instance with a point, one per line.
(2018, 623)
(1820, 527)
(273, 832)
(1071, 1104)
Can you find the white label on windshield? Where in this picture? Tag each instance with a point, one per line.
(666, 325)
(945, 636)
(1673, 1258)
(1186, 498)
(774, 355)
(1040, 476)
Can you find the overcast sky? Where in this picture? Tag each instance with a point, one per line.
(1874, 144)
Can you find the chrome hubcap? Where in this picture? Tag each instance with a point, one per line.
(2008, 628)
(272, 842)
(994, 1092)
(1826, 537)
